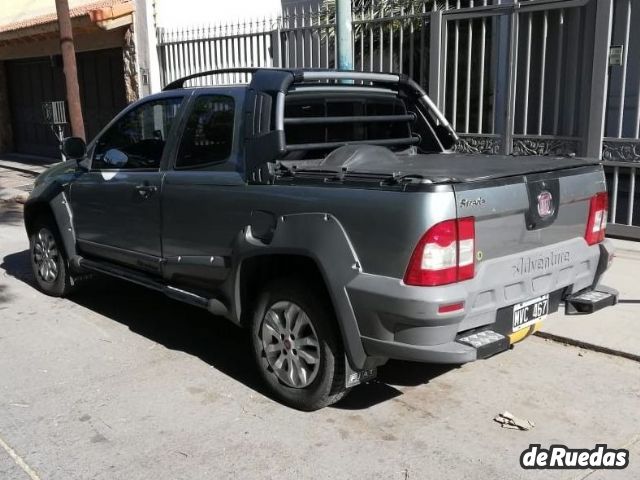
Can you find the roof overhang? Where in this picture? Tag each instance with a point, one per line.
(90, 18)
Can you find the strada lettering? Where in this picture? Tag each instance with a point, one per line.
(528, 265)
(469, 202)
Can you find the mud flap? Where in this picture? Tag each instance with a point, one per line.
(356, 377)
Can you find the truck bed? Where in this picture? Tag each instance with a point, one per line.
(439, 167)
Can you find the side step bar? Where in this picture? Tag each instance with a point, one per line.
(589, 301)
(214, 305)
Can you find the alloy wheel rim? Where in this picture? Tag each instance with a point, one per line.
(46, 256)
(290, 344)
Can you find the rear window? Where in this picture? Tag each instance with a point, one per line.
(208, 135)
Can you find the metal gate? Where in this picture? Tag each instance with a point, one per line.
(621, 145)
(511, 79)
(36, 80)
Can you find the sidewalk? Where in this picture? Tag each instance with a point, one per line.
(17, 173)
(614, 329)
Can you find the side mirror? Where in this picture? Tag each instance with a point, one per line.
(74, 148)
(115, 158)
(446, 136)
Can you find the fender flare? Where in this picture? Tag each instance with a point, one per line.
(52, 197)
(321, 237)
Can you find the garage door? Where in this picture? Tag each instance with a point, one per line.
(36, 80)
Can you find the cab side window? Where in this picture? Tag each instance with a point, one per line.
(137, 140)
(208, 135)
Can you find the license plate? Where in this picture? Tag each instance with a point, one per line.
(530, 312)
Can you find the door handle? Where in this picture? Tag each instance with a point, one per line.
(145, 190)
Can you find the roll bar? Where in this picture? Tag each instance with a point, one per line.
(277, 83)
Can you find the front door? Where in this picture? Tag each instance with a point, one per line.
(116, 205)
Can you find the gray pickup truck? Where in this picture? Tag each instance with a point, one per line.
(324, 212)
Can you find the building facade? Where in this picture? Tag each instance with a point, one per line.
(116, 47)
(112, 57)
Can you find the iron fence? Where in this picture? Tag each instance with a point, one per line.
(621, 143)
(519, 77)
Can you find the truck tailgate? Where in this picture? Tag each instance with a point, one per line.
(525, 212)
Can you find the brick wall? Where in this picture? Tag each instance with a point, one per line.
(6, 135)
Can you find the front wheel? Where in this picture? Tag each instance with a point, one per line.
(296, 345)
(48, 261)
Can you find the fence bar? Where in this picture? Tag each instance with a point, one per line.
(614, 194)
(543, 64)
(481, 61)
(511, 80)
(381, 42)
(371, 40)
(311, 33)
(390, 46)
(454, 93)
(434, 22)
(362, 40)
(599, 79)
(437, 59)
(411, 40)
(467, 108)
(623, 86)
(527, 76)
(560, 53)
(632, 194)
(327, 36)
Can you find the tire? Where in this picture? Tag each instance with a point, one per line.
(285, 361)
(48, 259)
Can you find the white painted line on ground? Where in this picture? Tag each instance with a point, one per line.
(19, 461)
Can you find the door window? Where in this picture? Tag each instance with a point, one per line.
(137, 140)
(208, 135)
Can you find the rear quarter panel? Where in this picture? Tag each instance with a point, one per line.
(383, 226)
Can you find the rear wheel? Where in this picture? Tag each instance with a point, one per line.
(296, 345)
(48, 261)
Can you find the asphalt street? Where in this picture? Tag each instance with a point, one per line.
(117, 382)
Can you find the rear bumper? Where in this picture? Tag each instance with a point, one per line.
(402, 322)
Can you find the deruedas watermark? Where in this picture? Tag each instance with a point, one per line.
(563, 457)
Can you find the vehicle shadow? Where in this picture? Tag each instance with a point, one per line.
(394, 374)
(214, 340)
(10, 213)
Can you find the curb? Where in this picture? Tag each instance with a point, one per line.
(20, 169)
(587, 346)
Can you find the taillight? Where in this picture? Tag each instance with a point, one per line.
(597, 219)
(445, 254)
(466, 248)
